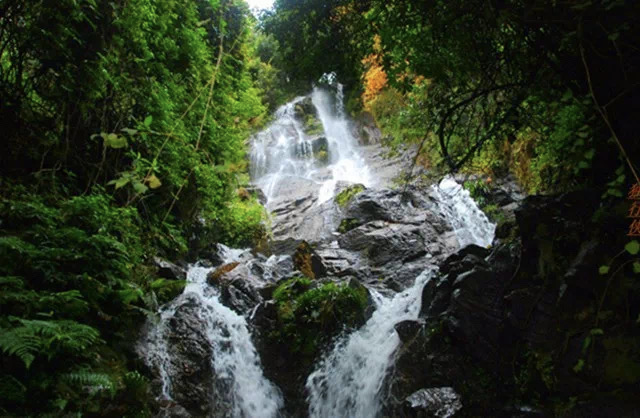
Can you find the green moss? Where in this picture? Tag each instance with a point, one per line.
(309, 317)
(348, 224)
(344, 197)
(322, 156)
(494, 213)
(312, 126)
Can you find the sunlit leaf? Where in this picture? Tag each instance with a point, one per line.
(153, 181)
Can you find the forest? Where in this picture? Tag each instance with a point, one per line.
(128, 130)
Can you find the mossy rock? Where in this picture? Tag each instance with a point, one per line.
(308, 262)
(310, 315)
(322, 157)
(344, 197)
(312, 125)
(348, 224)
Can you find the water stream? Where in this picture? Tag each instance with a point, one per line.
(282, 156)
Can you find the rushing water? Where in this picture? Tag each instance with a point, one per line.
(349, 380)
(282, 154)
(234, 358)
(470, 224)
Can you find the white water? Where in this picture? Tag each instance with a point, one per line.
(470, 224)
(349, 381)
(282, 153)
(234, 358)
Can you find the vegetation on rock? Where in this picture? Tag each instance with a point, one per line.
(345, 196)
(310, 314)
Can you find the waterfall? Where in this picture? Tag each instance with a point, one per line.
(282, 156)
(470, 224)
(234, 359)
(349, 380)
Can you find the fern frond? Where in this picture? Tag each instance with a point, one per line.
(12, 281)
(89, 382)
(35, 337)
(21, 343)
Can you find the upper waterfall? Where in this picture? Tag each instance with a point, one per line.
(309, 147)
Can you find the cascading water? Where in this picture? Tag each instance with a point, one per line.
(349, 380)
(234, 359)
(283, 154)
(470, 224)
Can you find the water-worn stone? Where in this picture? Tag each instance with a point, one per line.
(433, 402)
(168, 270)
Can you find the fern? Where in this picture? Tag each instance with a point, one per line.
(89, 381)
(39, 337)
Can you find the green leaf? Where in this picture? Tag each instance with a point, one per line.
(603, 270)
(114, 141)
(579, 366)
(636, 267)
(147, 121)
(139, 187)
(590, 154)
(633, 247)
(129, 131)
(120, 182)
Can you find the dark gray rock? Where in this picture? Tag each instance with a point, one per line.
(169, 270)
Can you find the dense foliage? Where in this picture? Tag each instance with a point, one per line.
(124, 128)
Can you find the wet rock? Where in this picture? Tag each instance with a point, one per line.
(305, 108)
(364, 128)
(239, 290)
(515, 316)
(382, 242)
(434, 402)
(408, 329)
(189, 364)
(169, 270)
